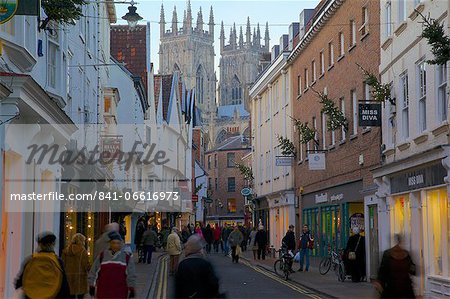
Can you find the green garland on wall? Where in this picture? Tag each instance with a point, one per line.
(380, 92)
(62, 11)
(336, 119)
(246, 171)
(434, 32)
(287, 146)
(305, 133)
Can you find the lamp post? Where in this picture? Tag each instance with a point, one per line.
(132, 17)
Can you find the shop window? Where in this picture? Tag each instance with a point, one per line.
(401, 220)
(231, 205)
(438, 220)
(231, 184)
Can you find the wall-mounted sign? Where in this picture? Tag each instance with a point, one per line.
(321, 198)
(246, 191)
(194, 198)
(112, 146)
(8, 9)
(317, 161)
(284, 161)
(369, 115)
(420, 178)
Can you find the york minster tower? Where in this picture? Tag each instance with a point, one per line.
(189, 49)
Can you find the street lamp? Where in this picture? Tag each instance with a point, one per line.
(132, 17)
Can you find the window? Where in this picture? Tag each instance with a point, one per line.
(209, 183)
(342, 102)
(299, 85)
(231, 205)
(322, 63)
(333, 137)
(324, 130)
(353, 32)
(404, 100)
(313, 71)
(388, 13)
(367, 93)
(231, 184)
(52, 61)
(314, 121)
(306, 79)
(401, 10)
(209, 162)
(355, 112)
(422, 93)
(230, 160)
(365, 21)
(215, 160)
(215, 184)
(330, 54)
(442, 96)
(341, 44)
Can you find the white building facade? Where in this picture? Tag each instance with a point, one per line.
(413, 181)
(271, 110)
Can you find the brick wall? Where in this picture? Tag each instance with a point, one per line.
(342, 160)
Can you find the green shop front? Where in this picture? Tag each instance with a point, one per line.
(331, 214)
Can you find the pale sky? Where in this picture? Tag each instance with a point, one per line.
(279, 14)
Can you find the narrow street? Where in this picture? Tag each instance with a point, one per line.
(241, 280)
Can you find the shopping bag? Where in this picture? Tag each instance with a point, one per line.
(297, 257)
(238, 250)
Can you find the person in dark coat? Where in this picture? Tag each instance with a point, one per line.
(357, 267)
(140, 229)
(289, 238)
(394, 275)
(217, 231)
(261, 242)
(306, 241)
(209, 238)
(148, 243)
(195, 277)
(225, 234)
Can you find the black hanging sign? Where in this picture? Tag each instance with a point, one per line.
(370, 115)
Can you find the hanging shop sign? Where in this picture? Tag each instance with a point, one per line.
(112, 146)
(420, 178)
(28, 7)
(317, 161)
(284, 161)
(246, 191)
(369, 115)
(8, 9)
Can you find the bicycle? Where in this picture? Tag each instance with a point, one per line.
(283, 265)
(333, 259)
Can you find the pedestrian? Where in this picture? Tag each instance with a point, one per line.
(289, 242)
(209, 238)
(122, 229)
(185, 234)
(234, 240)
(245, 238)
(306, 242)
(164, 235)
(102, 243)
(195, 277)
(225, 234)
(113, 274)
(217, 234)
(394, 275)
(261, 241)
(76, 264)
(140, 229)
(173, 250)
(198, 230)
(253, 245)
(42, 274)
(149, 239)
(355, 255)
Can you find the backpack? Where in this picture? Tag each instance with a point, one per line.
(42, 276)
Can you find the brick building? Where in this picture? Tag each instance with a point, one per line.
(225, 182)
(340, 34)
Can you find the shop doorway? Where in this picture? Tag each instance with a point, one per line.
(331, 228)
(374, 250)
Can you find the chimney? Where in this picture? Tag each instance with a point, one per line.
(284, 42)
(275, 52)
(305, 17)
(293, 31)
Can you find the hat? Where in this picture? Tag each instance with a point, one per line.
(193, 245)
(46, 237)
(291, 226)
(114, 236)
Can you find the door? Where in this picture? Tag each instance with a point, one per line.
(374, 251)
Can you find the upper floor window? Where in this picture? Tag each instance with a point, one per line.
(353, 32)
(209, 162)
(322, 63)
(52, 67)
(306, 79)
(299, 85)
(231, 184)
(365, 21)
(313, 71)
(330, 54)
(442, 96)
(422, 95)
(404, 102)
(230, 160)
(342, 104)
(401, 10)
(341, 44)
(388, 14)
(355, 112)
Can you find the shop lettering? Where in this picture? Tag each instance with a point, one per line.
(337, 197)
(321, 198)
(416, 180)
(369, 115)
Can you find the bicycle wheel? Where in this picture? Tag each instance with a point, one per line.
(279, 268)
(341, 272)
(325, 265)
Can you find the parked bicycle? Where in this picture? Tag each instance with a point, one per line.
(283, 265)
(333, 260)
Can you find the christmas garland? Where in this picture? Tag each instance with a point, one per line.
(336, 119)
(305, 133)
(246, 171)
(287, 146)
(380, 92)
(434, 32)
(62, 11)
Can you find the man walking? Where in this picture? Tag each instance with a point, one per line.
(148, 243)
(306, 243)
(173, 249)
(261, 241)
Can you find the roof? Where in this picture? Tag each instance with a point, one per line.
(163, 83)
(229, 110)
(231, 143)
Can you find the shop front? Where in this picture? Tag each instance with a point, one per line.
(417, 207)
(281, 215)
(261, 212)
(331, 214)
